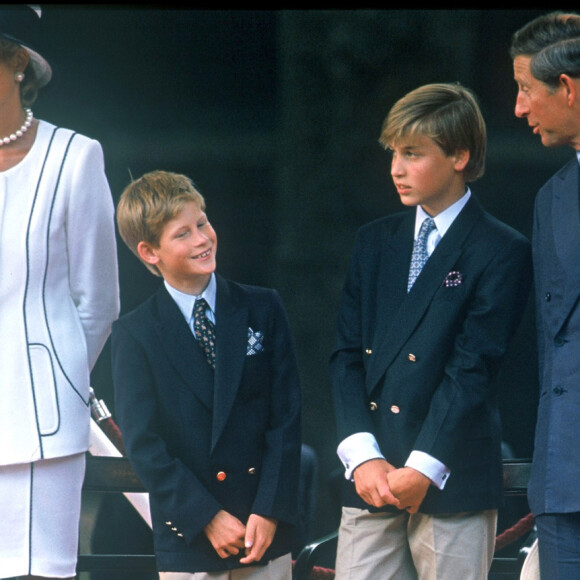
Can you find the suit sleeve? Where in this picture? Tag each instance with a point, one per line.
(490, 320)
(182, 497)
(277, 492)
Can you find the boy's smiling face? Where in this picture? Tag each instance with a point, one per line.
(186, 255)
(424, 175)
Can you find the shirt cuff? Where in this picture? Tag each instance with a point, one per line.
(430, 467)
(357, 449)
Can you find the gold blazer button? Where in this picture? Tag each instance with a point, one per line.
(412, 357)
(252, 471)
(221, 475)
(395, 409)
(373, 406)
(368, 351)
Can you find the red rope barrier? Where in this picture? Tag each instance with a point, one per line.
(516, 531)
(104, 420)
(113, 432)
(320, 573)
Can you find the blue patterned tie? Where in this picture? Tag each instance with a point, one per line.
(420, 255)
(204, 330)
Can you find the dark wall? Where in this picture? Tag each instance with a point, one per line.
(275, 115)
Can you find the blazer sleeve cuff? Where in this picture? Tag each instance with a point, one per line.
(432, 468)
(357, 449)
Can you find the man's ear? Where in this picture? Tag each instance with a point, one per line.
(461, 157)
(147, 253)
(571, 87)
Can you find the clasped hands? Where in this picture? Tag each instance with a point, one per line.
(229, 536)
(379, 483)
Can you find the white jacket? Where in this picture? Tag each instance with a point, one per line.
(59, 293)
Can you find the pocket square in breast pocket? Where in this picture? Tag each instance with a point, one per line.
(255, 340)
(453, 279)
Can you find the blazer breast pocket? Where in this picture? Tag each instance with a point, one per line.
(255, 344)
(452, 287)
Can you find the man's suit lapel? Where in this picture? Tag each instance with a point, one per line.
(393, 332)
(231, 340)
(566, 232)
(181, 348)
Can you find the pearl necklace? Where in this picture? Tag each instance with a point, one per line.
(20, 132)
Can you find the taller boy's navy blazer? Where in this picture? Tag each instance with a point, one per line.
(198, 442)
(417, 370)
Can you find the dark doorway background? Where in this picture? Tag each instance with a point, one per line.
(275, 115)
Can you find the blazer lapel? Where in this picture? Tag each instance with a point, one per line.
(177, 339)
(566, 231)
(392, 333)
(231, 340)
(395, 258)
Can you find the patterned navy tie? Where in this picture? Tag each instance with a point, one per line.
(420, 254)
(204, 330)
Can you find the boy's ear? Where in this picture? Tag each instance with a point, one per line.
(461, 157)
(147, 253)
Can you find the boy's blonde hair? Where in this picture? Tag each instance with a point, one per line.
(447, 113)
(149, 203)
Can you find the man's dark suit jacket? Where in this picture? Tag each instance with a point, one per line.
(417, 370)
(201, 443)
(555, 473)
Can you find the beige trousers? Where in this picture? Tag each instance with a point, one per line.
(277, 569)
(404, 546)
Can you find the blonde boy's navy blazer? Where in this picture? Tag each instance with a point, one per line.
(202, 441)
(418, 370)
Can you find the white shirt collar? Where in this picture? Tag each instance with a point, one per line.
(185, 302)
(443, 220)
(578, 156)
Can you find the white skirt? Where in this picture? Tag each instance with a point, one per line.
(40, 505)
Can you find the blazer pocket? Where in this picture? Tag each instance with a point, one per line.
(44, 386)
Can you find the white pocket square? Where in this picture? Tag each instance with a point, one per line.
(255, 340)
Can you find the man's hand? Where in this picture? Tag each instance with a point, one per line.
(259, 535)
(409, 486)
(370, 479)
(226, 534)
